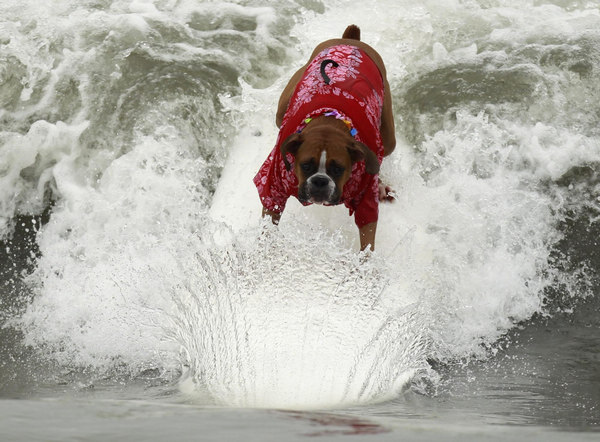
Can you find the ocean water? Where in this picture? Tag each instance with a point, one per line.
(142, 298)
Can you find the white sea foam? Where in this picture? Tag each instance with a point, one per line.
(143, 267)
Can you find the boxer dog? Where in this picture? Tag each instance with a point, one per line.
(336, 125)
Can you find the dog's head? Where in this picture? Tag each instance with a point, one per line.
(323, 162)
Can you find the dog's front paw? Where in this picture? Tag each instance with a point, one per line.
(386, 193)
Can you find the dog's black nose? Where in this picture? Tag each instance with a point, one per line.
(320, 181)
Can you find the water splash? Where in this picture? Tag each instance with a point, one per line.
(293, 317)
(263, 326)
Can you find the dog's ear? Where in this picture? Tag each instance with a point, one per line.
(359, 152)
(290, 145)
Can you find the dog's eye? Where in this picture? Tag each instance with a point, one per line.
(308, 167)
(335, 170)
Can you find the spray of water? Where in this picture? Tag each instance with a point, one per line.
(262, 325)
(154, 255)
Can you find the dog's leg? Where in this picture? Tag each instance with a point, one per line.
(367, 235)
(275, 216)
(284, 99)
(388, 128)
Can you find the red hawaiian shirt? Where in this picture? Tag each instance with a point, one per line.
(355, 91)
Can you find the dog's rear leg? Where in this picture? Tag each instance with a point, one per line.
(352, 32)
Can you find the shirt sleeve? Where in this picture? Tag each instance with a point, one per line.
(367, 209)
(274, 183)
